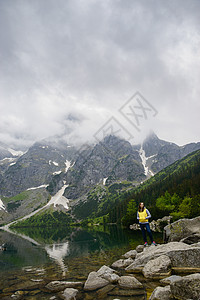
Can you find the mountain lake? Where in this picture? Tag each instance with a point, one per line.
(41, 255)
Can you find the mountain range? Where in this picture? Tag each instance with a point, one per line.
(29, 179)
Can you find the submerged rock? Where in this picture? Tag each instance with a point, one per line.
(131, 292)
(57, 286)
(158, 267)
(69, 294)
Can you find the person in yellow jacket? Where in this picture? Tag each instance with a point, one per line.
(143, 216)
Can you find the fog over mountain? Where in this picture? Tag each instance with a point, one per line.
(67, 67)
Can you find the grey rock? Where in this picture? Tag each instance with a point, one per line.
(161, 293)
(105, 269)
(56, 286)
(130, 254)
(196, 244)
(191, 239)
(108, 274)
(94, 282)
(139, 248)
(187, 287)
(122, 263)
(158, 267)
(170, 279)
(187, 258)
(102, 293)
(182, 229)
(129, 282)
(69, 294)
(154, 252)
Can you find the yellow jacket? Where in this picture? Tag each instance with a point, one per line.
(143, 216)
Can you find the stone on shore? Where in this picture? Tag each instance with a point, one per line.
(130, 254)
(94, 282)
(122, 263)
(129, 282)
(158, 267)
(186, 258)
(108, 274)
(182, 229)
(161, 293)
(153, 252)
(139, 248)
(187, 287)
(170, 279)
(57, 286)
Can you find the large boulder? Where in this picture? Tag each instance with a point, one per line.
(158, 267)
(185, 258)
(154, 252)
(187, 287)
(94, 282)
(129, 282)
(161, 293)
(182, 229)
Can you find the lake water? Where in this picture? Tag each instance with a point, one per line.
(62, 253)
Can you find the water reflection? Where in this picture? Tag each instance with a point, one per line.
(58, 252)
(37, 246)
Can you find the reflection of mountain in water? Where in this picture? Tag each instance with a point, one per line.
(60, 244)
(19, 253)
(58, 252)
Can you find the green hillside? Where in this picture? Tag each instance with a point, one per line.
(175, 190)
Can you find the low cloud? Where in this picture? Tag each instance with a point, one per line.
(68, 66)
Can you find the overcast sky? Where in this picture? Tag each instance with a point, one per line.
(67, 67)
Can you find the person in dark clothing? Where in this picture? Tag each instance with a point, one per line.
(143, 216)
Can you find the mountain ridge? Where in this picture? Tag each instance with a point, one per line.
(113, 160)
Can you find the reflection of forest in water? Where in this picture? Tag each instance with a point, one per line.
(61, 244)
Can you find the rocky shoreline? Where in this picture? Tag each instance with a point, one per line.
(172, 268)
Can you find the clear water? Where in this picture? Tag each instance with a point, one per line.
(60, 253)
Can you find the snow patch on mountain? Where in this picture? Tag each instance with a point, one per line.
(59, 199)
(104, 180)
(57, 172)
(2, 206)
(68, 165)
(54, 163)
(38, 187)
(15, 153)
(144, 159)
